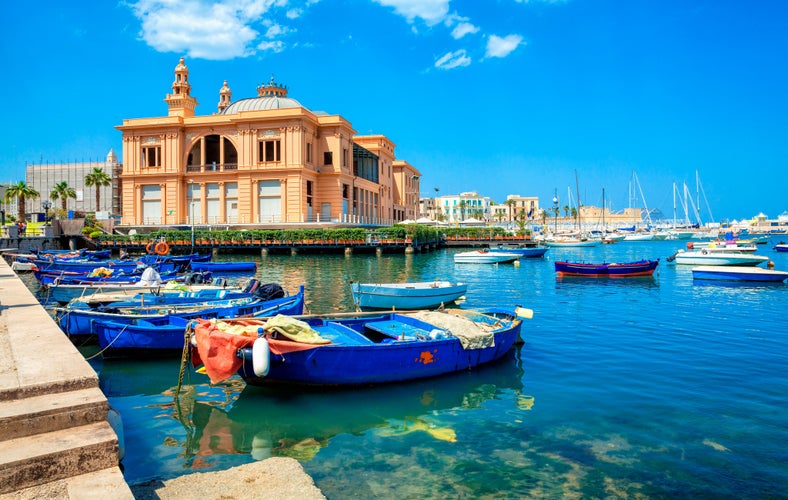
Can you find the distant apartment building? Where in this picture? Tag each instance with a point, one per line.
(464, 206)
(258, 160)
(516, 208)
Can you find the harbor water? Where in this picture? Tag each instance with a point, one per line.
(633, 387)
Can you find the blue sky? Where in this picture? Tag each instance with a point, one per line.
(497, 96)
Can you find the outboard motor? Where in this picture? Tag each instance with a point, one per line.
(269, 291)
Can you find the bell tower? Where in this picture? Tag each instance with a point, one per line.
(225, 97)
(180, 103)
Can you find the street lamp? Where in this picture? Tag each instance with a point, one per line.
(416, 197)
(47, 205)
(191, 208)
(555, 211)
(436, 202)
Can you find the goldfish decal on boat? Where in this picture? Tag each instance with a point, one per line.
(426, 357)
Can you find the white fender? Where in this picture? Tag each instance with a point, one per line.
(261, 357)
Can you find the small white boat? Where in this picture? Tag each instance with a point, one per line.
(572, 242)
(484, 256)
(420, 295)
(639, 237)
(714, 258)
(738, 273)
(721, 246)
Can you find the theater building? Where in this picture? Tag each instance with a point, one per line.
(258, 160)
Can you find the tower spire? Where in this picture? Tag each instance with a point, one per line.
(180, 103)
(225, 97)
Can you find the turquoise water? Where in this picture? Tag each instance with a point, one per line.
(652, 387)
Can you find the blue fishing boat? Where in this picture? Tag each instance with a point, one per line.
(781, 247)
(98, 277)
(224, 267)
(355, 348)
(611, 270)
(523, 251)
(420, 295)
(748, 274)
(78, 323)
(148, 337)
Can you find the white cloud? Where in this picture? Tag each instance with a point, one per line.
(452, 60)
(203, 28)
(502, 47)
(273, 46)
(430, 11)
(463, 29)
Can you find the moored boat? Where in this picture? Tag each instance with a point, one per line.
(739, 273)
(143, 337)
(224, 267)
(523, 251)
(420, 295)
(612, 270)
(356, 349)
(781, 247)
(717, 258)
(572, 242)
(484, 256)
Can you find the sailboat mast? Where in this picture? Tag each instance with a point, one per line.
(577, 188)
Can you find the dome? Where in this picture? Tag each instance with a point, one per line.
(261, 103)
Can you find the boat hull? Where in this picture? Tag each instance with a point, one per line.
(423, 295)
(702, 258)
(572, 243)
(377, 363)
(738, 273)
(141, 337)
(612, 270)
(482, 257)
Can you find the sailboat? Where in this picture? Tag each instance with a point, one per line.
(578, 240)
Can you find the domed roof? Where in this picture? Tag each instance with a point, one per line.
(261, 103)
(270, 95)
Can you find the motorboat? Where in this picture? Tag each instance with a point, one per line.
(485, 256)
(717, 258)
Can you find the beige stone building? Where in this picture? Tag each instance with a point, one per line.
(259, 160)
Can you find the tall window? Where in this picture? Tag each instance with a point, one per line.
(344, 157)
(328, 158)
(309, 152)
(269, 151)
(151, 156)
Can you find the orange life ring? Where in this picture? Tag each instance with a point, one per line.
(149, 247)
(162, 248)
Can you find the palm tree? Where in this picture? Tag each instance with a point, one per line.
(543, 215)
(62, 191)
(566, 210)
(510, 203)
(20, 191)
(98, 178)
(462, 206)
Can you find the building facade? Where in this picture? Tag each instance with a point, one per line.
(44, 177)
(259, 160)
(464, 206)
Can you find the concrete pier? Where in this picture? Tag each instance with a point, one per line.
(55, 440)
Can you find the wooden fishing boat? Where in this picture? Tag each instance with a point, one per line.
(610, 270)
(420, 295)
(739, 273)
(78, 321)
(355, 349)
(224, 267)
(525, 252)
(484, 256)
(165, 336)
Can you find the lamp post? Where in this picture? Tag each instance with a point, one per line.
(436, 202)
(415, 178)
(46, 205)
(191, 208)
(555, 211)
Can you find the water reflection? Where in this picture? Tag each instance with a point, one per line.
(280, 421)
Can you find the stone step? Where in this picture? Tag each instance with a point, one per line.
(43, 458)
(51, 412)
